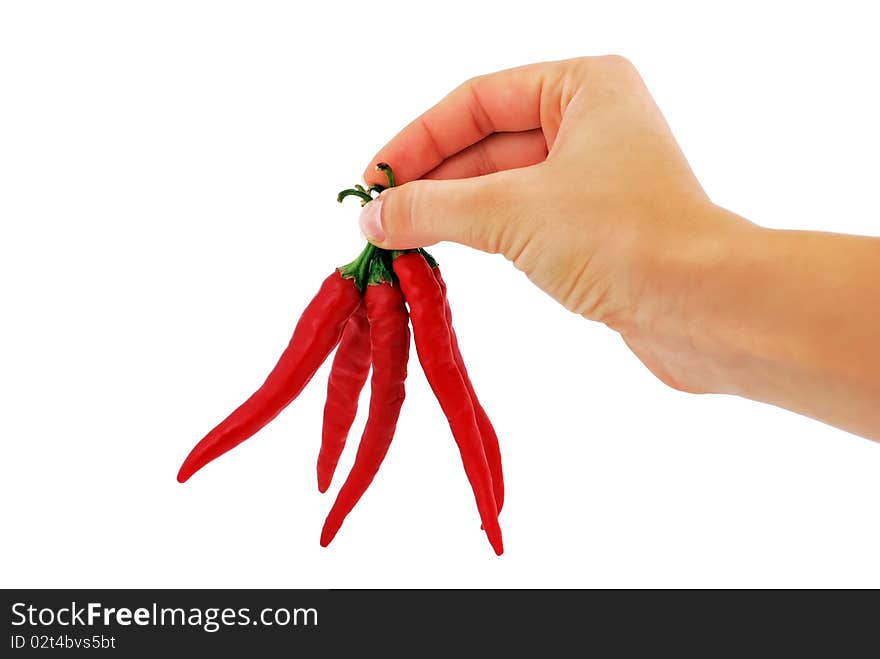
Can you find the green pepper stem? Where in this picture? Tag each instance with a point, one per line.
(365, 198)
(373, 264)
(385, 168)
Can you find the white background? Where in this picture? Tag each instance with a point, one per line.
(167, 181)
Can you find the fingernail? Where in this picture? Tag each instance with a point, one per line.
(371, 221)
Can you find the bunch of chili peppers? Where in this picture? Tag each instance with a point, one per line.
(362, 308)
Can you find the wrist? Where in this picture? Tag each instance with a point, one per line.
(692, 282)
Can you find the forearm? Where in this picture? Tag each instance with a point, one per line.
(790, 318)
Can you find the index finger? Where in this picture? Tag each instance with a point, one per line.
(508, 100)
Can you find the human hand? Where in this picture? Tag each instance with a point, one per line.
(569, 170)
(566, 168)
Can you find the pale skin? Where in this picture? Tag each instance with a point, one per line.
(570, 171)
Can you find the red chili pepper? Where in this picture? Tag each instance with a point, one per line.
(389, 342)
(487, 431)
(316, 334)
(434, 347)
(347, 377)
(375, 327)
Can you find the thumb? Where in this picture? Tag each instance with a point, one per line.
(474, 211)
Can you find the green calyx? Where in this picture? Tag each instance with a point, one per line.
(373, 264)
(371, 267)
(380, 269)
(360, 269)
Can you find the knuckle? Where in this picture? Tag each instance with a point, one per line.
(610, 77)
(474, 81)
(616, 62)
(604, 66)
(467, 87)
(581, 64)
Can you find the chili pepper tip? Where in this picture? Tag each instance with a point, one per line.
(187, 470)
(327, 535)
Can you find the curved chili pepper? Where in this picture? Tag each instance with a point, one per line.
(487, 431)
(434, 347)
(316, 334)
(347, 377)
(389, 342)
